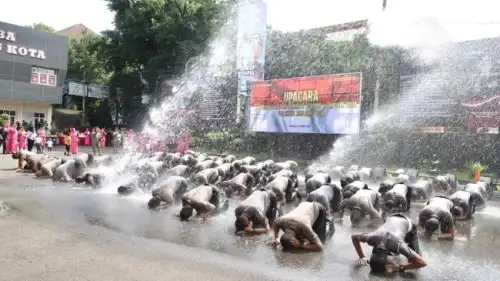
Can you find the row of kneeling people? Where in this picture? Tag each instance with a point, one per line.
(266, 186)
(311, 222)
(58, 169)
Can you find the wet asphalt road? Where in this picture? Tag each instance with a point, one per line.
(474, 255)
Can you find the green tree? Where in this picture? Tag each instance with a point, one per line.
(313, 55)
(153, 39)
(41, 27)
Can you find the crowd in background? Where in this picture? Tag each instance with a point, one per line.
(14, 137)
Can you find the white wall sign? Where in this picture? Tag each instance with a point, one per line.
(94, 91)
(8, 45)
(43, 76)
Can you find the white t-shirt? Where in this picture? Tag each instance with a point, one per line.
(38, 139)
(50, 143)
(31, 135)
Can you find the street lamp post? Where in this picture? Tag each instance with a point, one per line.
(378, 70)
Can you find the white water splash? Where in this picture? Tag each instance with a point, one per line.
(428, 41)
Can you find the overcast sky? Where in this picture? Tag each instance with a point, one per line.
(459, 18)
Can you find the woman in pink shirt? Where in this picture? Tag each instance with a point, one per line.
(87, 137)
(41, 133)
(102, 142)
(11, 139)
(183, 143)
(74, 141)
(22, 139)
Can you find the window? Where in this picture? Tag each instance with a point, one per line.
(43, 76)
(39, 118)
(10, 113)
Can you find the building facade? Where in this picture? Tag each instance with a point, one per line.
(33, 66)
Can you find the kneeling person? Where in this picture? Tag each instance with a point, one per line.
(464, 205)
(304, 227)
(436, 218)
(329, 195)
(256, 213)
(364, 202)
(168, 191)
(397, 236)
(204, 199)
(398, 198)
(479, 193)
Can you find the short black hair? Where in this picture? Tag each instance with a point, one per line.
(431, 225)
(286, 239)
(125, 190)
(154, 202)
(186, 212)
(390, 203)
(455, 211)
(347, 194)
(241, 223)
(378, 262)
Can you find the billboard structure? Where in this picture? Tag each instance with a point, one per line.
(250, 48)
(328, 104)
(464, 94)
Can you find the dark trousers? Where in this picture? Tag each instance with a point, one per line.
(4, 146)
(38, 148)
(412, 240)
(30, 144)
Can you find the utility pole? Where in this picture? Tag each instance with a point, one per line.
(85, 93)
(378, 70)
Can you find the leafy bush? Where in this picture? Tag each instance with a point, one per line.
(220, 141)
(4, 119)
(472, 166)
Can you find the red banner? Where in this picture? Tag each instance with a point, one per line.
(327, 89)
(482, 112)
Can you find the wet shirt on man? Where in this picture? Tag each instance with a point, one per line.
(300, 220)
(256, 206)
(438, 207)
(168, 188)
(391, 236)
(200, 197)
(323, 195)
(365, 200)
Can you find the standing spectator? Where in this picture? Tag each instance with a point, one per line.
(67, 144)
(183, 143)
(22, 138)
(3, 138)
(74, 141)
(102, 140)
(50, 144)
(96, 137)
(117, 140)
(88, 137)
(31, 138)
(11, 139)
(38, 144)
(42, 133)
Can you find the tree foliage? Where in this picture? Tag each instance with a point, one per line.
(41, 27)
(83, 62)
(153, 39)
(314, 55)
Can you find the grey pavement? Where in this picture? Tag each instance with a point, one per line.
(66, 232)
